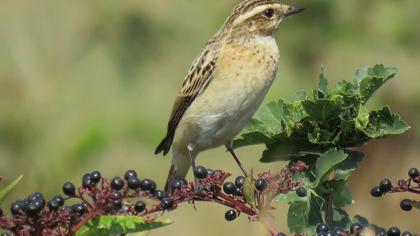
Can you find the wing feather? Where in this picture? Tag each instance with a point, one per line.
(194, 84)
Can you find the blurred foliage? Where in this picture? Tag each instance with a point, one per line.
(90, 84)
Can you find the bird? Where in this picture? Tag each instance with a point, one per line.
(225, 85)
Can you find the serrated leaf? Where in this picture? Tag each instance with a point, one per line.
(6, 190)
(342, 196)
(327, 162)
(115, 225)
(249, 190)
(382, 123)
(371, 79)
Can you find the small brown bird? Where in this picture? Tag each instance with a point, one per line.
(225, 85)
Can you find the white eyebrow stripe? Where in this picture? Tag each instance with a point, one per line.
(253, 12)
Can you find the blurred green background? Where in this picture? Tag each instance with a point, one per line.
(88, 85)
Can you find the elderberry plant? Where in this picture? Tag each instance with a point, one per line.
(317, 134)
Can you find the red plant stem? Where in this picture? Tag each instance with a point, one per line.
(414, 191)
(84, 220)
(238, 204)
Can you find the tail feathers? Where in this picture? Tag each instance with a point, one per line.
(171, 177)
(181, 164)
(165, 145)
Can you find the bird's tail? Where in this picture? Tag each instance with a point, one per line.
(181, 163)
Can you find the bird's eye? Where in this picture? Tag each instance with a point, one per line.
(269, 13)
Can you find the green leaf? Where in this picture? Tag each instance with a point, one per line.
(342, 196)
(322, 110)
(6, 190)
(303, 216)
(360, 220)
(348, 166)
(381, 124)
(327, 162)
(249, 190)
(323, 84)
(288, 149)
(371, 79)
(297, 216)
(115, 225)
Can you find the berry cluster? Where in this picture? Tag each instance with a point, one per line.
(412, 185)
(357, 229)
(130, 195)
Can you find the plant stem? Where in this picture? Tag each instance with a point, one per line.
(329, 211)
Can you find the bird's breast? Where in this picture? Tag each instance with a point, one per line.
(241, 79)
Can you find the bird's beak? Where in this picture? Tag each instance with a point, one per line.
(294, 10)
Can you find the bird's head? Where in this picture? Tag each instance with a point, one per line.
(258, 17)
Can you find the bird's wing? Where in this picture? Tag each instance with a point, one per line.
(194, 84)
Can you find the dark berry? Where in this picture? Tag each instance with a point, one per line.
(166, 203)
(406, 233)
(229, 187)
(393, 231)
(118, 195)
(36, 196)
(117, 204)
(176, 184)
(340, 232)
(59, 199)
(159, 194)
(376, 191)
(147, 185)
(355, 228)
(328, 233)
(301, 192)
(413, 173)
(322, 228)
(238, 192)
(230, 215)
(34, 207)
(87, 181)
(53, 205)
(79, 208)
(69, 189)
(182, 180)
(200, 172)
(96, 176)
(117, 183)
(17, 207)
(281, 234)
(260, 184)
(239, 181)
(133, 183)
(386, 185)
(406, 205)
(140, 206)
(130, 174)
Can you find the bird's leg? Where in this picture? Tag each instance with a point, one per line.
(229, 147)
(192, 159)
